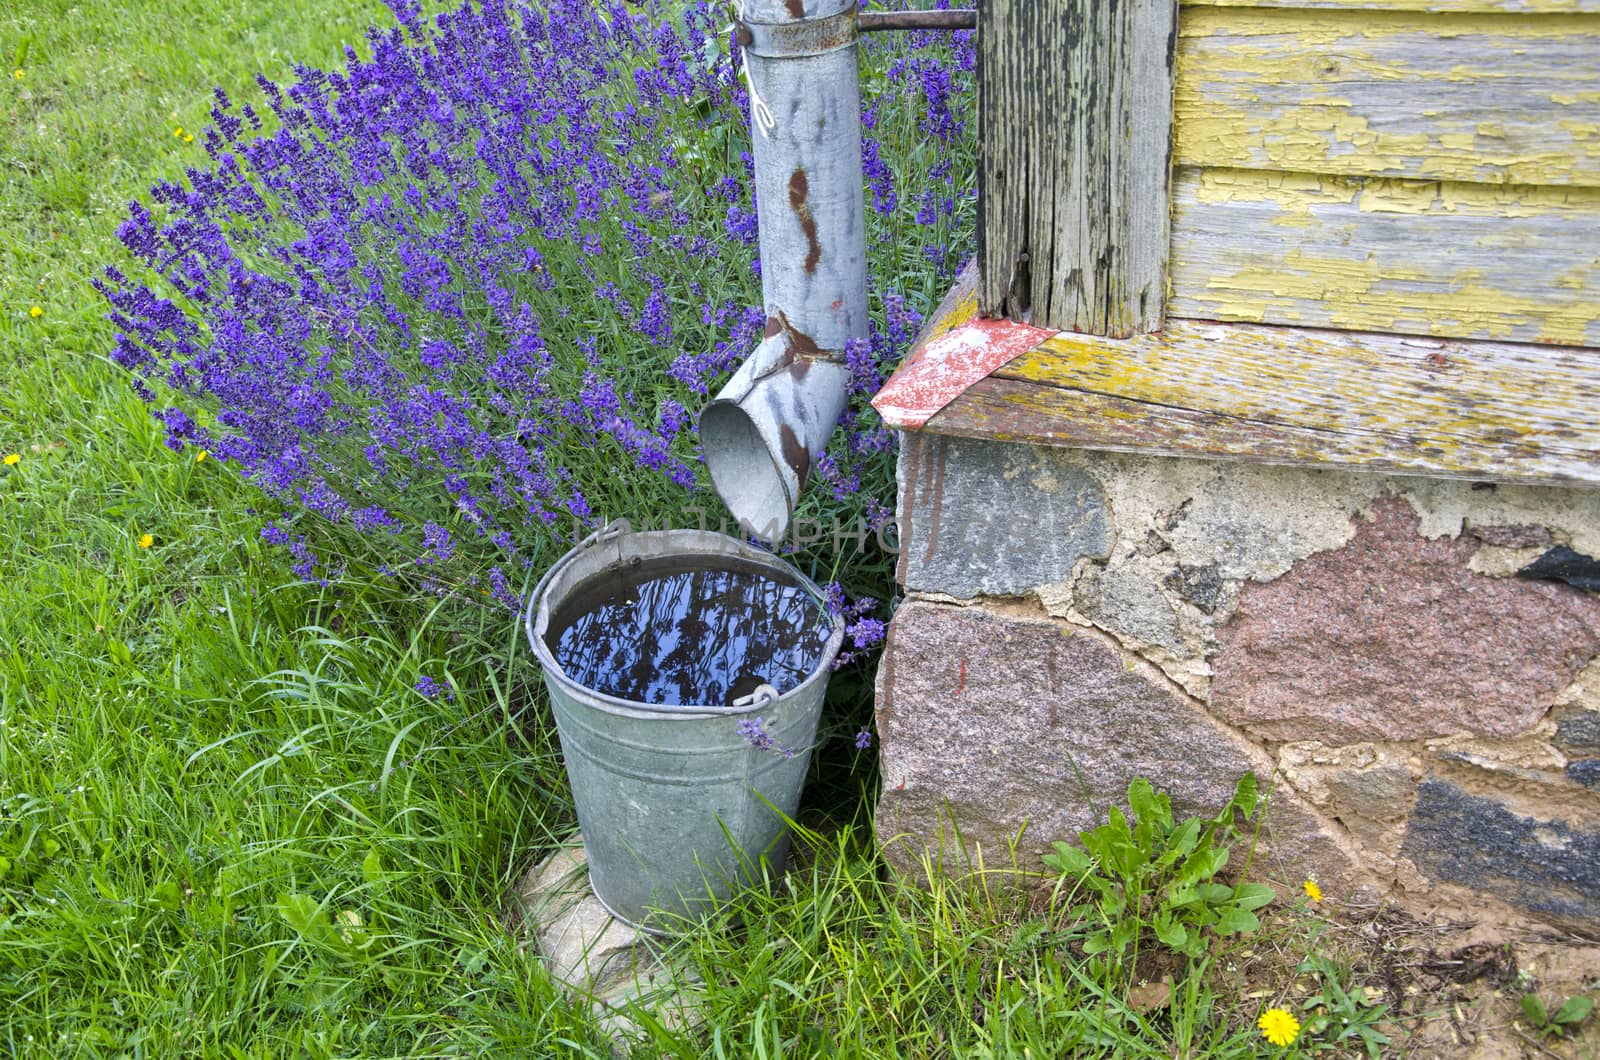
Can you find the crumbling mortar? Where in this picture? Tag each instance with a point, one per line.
(1316, 770)
(1192, 671)
(1530, 793)
(932, 597)
(1446, 508)
(1330, 826)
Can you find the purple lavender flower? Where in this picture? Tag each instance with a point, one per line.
(866, 632)
(432, 689)
(864, 739)
(474, 286)
(754, 731)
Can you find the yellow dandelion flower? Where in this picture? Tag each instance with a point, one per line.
(36, 311)
(188, 138)
(177, 133)
(146, 540)
(1278, 1026)
(13, 459)
(18, 73)
(200, 457)
(1313, 892)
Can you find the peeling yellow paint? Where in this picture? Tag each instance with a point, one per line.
(1504, 7)
(1291, 191)
(1577, 279)
(1315, 396)
(1398, 196)
(1255, 87)
(1440, 276)
(960, 309)
(1332, 24)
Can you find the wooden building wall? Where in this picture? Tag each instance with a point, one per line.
(1415, 166)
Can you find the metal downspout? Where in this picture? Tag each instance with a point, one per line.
(764, 432)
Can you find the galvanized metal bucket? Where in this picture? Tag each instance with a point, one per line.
(675, 804)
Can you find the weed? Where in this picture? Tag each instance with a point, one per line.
(1340, 1017)
(1566, 1018)
(1157, 879)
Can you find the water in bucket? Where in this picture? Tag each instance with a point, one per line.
(672, 632)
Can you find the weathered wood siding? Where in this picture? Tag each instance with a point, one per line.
(1415, 257)
(1433, 169)
(1482, 98)
(1074, 145)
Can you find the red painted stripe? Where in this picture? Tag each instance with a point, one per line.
(946, 366)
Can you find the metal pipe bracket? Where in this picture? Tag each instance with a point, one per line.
(795, 40)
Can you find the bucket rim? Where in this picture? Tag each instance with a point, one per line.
(614, 532)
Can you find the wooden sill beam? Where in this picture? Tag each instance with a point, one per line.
(1359, 401)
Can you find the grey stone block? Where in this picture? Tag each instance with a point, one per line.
(1545, 866)
(992, 519)
(1585, 771)
(1579, 731)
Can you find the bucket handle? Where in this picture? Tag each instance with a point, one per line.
(607, 534)
(762, 694)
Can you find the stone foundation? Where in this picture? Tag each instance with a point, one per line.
(1427, 719)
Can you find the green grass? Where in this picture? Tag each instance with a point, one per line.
(201, 758)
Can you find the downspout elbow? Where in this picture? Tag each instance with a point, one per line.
(766, 430)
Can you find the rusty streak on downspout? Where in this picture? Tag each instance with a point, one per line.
(766, 430)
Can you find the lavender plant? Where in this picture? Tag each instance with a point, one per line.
(455, 299)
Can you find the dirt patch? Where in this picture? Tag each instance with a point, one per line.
(1446, 988)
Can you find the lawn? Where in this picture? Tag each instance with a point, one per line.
(230, 823)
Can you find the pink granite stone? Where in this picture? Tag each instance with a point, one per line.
(997, 722)
(1392, 637)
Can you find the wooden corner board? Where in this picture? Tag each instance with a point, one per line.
(1360, 401)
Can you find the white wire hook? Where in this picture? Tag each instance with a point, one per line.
(760, 113)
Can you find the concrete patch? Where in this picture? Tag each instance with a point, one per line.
(1246, 521)
(1447, 506)
(1126, 598)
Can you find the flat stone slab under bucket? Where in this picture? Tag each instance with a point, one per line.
(594, 956)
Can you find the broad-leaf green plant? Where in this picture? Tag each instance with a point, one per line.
(1152, 876)
(1563, 1019)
